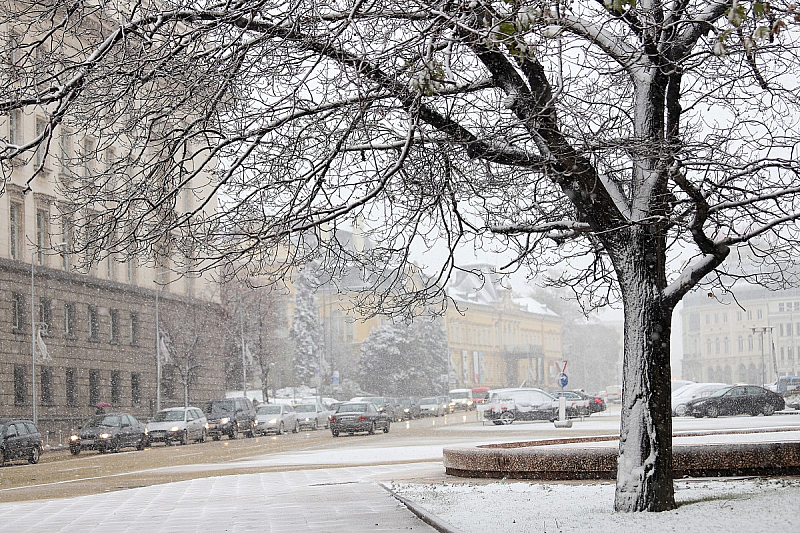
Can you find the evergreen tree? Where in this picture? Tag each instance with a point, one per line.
(383, 365)
(306, 332)
(427, 358)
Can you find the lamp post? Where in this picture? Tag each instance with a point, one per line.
(761, 331)
(33, 341)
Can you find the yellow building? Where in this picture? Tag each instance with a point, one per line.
(497, 339)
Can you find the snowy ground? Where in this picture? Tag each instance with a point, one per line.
(705, 506)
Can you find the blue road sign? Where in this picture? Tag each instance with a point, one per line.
(562, 380)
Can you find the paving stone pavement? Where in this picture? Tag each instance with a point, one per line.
(323, 500)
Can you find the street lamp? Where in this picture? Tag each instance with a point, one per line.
(761, 331)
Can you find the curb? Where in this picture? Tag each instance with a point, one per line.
(432, 520)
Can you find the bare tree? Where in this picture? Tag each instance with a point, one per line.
(633, 144)
(181, 335)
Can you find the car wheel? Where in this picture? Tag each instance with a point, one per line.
(372, 429)
(203, 435)
(215, 437)
(314, 426)
(35, 454)
(681, 410)
(768, 409)
(507, 417)
(712, 411)
(234, 434)
(142, 444)
(296, 427)
(281, 429)
(386, 427)
(75, 450)
(334, 433)
(116, 445)
(184, 438)
(497, 422)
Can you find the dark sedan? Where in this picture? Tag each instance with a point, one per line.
(109, 433)
(736, 400)
(19, 439)
(355, 417)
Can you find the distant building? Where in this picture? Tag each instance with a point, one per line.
(750, 339)
(500, 340)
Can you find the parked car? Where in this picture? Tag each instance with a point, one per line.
(430, 406)
(736, 400)
(461, 399)
(690, 392)
(109, 432)
(277, 418)
(409, 409)
(19, 440)
(576, 405)
(355, 417)
(311, 415)
(178, 424)
(230, 416)
(507, 405)
(447, 404)
(596, 403)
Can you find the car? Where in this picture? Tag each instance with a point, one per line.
(230, 416)
(507, 405)
(448, 406)
(359, 417)
(576, 405)
(19, 440)
(311, 415)
(178, 424)
(430, 406)
(596, 403)
(736, 400)
(409, 409)
(461, 399)
(689, 392)
(109, 432)
(277, 418)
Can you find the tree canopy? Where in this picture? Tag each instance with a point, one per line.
(632, 144)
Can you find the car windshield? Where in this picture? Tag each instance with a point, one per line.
(407, 402)
(220, 407)
(352, 408)
(428, 401)
(720, 392)
(168, 416)
(103, 421)
(458, 395)
(305, 408)
(269, 410)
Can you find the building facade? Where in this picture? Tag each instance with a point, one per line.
(752, 338)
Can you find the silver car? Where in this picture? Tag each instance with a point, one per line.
(312, 415)
(276, 418)
(177, 424)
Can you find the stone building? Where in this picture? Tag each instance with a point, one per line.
(752, 338)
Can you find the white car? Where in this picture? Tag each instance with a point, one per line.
(277, 418)
(312, 415)
(430, 406)
(689, 392)
(178, 424)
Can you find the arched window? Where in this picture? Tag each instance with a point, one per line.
(740, 344)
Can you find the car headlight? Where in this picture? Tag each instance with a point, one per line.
(146, 431)
(308, 419)
(74, 438)
(225, 420)
(272, 421)
(105, 435)
(406, 410)
(174, 428)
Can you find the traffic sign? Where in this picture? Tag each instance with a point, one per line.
(562, 380)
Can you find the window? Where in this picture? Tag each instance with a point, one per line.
(740, 344)
(46, 378)
(115, 326)
(69, 319)
(94, 387)
(16, 213)
(110, 267)
(789, 329)
(72, 388)
(42, 233)
(20, 385)
(40, 158)
(131, 271)
(65, 159)
(739, 316)
(66, 238)
(759, 314)
(116, 387)
(15, 127)
(134, 329)
(780, 307)
(94, 324)
(45, 314)
(17, 311)
(750, 343)
(136, 394)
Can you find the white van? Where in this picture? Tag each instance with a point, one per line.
(461, 399)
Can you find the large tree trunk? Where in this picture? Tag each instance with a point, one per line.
(644, 476)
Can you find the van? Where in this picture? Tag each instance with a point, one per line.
(230, 416)
(461, 399)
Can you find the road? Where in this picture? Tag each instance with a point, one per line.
(60, 475)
